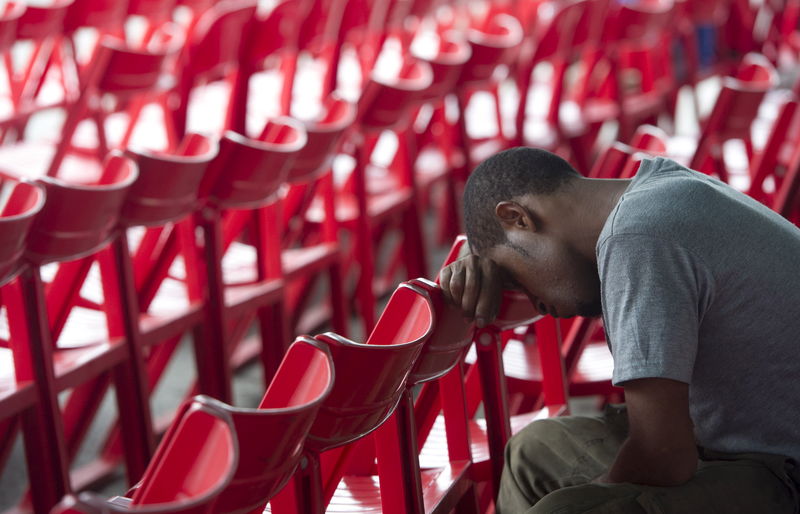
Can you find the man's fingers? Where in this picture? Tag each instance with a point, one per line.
(473, 281)
(444, 283)
(488, 302)
(457, 279)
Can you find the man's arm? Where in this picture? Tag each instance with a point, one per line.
(660, 449)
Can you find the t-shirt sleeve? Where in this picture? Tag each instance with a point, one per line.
(651, 292)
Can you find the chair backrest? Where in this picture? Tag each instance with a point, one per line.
(97, 14)
(387, 101)
(167, 187)
(10, 13)
(77, 219)
(131, 70)
(740, 98)
(446, 51)
(779, 150)
(42, 21)
(155, 9)
(639, 22)
(494, 40)
(324, 134)
(372, 376)
(449, 340)
(277, 31)
(621, 160)
(22, 201)
(273, 434)
(194, 463)
(247, 172)
(211, 51)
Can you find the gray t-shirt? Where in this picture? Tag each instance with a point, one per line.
(701, 284)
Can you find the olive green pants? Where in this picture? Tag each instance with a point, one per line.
(550, 464)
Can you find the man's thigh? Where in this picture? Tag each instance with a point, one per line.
(559, 452)
(731, 486)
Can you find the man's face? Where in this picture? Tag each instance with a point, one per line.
(556, 278)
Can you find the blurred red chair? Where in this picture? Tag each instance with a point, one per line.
(559, 35)
(129, 76)
(438, 159)
(366, 207)
(774, 169)
(494, 37)
(241, 228)
(734, 111)
(618, 160)
(22, 401)
(209, 55)
(159, 310)
(77, 344)
(353, 411)
(630, 78)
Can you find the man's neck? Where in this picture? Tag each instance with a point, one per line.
(592, 200)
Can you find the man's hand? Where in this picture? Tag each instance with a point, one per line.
(474, 284)
(660, 449)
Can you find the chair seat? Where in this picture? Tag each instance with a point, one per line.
(357, 494)
(434, 451)
(379, 207)
(521, 362)
(239, 268)
(303, 261)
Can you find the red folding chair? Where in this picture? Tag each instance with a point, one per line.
(196, 463)
(398, 484)
(352, 411)
(438, 160)
(22, 401)
(629, 78)
(494, 37)
(209, 56)
(160, 310)
(734, 111)
(308, 250)
(560, 33)
(269, 438)
(245, 281)
(82, 341)
(775, 167)
(486, 382)
(621, 160)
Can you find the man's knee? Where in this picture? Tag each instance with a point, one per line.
(590, 499)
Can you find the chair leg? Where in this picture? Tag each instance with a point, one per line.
(272, 324)
(495, 398)
(211, 349)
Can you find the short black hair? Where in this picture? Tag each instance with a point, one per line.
(505, 176)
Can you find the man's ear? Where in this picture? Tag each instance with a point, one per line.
(514, 216)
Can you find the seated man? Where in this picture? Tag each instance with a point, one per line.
(699, 289)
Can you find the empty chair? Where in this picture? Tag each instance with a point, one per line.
(196, 463)
(160, 309)
(734, 111)
(371, 378)
(80, 342)
(268, 441)
(21, 402)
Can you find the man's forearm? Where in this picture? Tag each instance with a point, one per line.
(638, 464)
